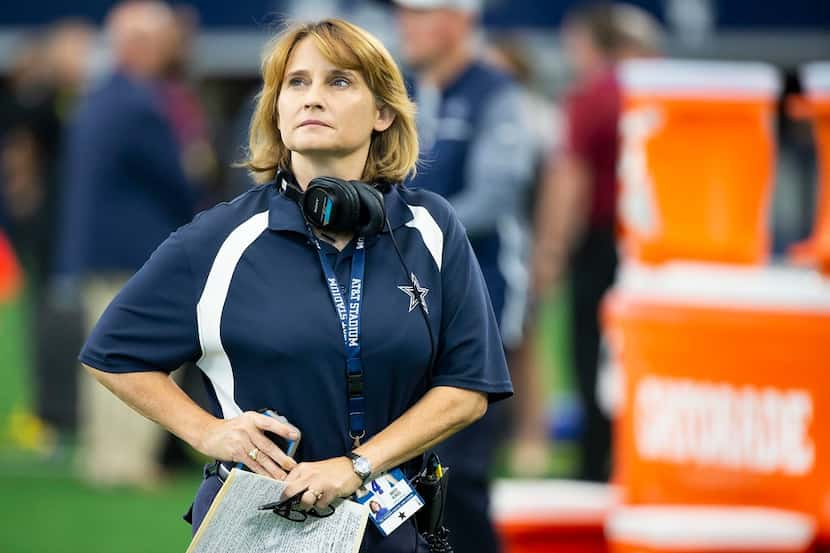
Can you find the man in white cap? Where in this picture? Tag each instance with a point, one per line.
(477, 155)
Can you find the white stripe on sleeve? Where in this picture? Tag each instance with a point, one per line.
(430, 232)
(214, 361)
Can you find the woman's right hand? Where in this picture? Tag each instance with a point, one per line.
(234, 439)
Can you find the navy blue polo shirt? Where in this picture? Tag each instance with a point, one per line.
(240, 292)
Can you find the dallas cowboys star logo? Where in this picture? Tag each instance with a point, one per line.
(416, 294)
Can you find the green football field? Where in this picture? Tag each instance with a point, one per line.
(44, 508)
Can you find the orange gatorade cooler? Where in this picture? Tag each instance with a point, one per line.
(815, 105)
(10, 276)
(725, 386)
(708, 529)
(538, 516)
(697, 159)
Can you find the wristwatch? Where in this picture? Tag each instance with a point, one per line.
(361, 465)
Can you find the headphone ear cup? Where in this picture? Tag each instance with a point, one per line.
(350, 213)
(346, 204)
(372, 211)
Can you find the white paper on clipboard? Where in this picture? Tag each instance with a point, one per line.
(234, 522)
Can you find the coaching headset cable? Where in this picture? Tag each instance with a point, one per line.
(417, 290)
(437, 542)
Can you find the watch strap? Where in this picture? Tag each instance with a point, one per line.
(355, 457)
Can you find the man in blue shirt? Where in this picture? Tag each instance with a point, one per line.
(125, 192)
(477, 155)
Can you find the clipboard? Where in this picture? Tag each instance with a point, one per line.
(233, 522)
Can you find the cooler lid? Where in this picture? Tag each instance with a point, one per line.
(554, 501)
(815, 78)
(715, 528)
(721, 285)
(693, 78)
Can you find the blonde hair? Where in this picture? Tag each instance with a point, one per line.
(393, 152)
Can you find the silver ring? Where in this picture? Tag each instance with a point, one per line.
(253, 453)
(317, 495)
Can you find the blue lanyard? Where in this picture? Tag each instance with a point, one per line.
(349, 317)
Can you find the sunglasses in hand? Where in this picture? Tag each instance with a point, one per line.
(288, 509)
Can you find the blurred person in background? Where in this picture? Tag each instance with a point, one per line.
(577, 208)
(477, 155)
(126, 192)
(530, 453)
(186, 113)
(185, 109)
(48, 75)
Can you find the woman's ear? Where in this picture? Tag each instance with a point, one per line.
(384, 119)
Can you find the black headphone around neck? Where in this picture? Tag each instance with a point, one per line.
(336, 205)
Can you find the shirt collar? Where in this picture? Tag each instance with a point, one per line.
(397, 210)
(284, 213)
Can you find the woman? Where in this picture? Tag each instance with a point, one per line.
(246, 292)
(378, 511)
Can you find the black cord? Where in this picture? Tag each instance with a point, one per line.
(425, 314)
(415, 288)
(437, 542)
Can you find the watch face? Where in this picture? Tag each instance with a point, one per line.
(362, 466)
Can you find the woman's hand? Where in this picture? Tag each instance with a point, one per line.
(235, 439)
(324, 481)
